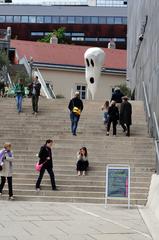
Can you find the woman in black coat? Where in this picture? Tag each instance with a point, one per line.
(113, 113)
(45, 156)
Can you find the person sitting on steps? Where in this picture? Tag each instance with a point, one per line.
(82, 161)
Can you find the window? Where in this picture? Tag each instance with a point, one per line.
(67, 34)
(124, 20)
(9, 19)
(17, 19)
(118, 20)
(2, 18)
(82, 90)
(71, 19)
(102, 20)
(119, 40)
(77, 34)
(78, 19)
(37, 34)
(104, 39)
(55, 19)
(86, 19)
(110, 20)
(40, 19)
(32, 19)
(89, 39)
(77, 38)
(24, 19)
(94, 20)
(63, 19)
(47, 19)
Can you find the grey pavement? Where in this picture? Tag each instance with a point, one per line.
(69, 221)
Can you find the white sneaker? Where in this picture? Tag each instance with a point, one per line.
(38, 189)
(11, 198)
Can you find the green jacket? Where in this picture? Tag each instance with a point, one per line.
(19, 89)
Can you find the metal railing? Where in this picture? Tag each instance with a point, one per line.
(153, 127)
(24, 61)
(43, 85)
(46, 88)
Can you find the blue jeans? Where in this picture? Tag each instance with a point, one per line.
(19, 100)
(74, 122)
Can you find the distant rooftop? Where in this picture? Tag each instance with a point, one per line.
(106, 3)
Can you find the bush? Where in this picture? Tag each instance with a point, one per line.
(125, 90)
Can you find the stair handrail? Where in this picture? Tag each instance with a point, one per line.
(9, 80)
(156, 135)
(153, 127)
(26, 64)
(43, 84)
(147, 109)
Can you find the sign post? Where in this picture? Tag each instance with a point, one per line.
(117, 182)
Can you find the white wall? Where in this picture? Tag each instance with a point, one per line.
(64, 81)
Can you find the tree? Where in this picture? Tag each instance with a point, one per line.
(4, 63)
(59, 33)
(125, 89)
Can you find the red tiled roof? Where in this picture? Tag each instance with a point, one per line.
(64, 54)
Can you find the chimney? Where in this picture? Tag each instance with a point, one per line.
(111, 44)
(53, 39)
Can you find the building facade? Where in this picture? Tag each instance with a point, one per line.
(63, 67)
(143, 50)
(84, 25)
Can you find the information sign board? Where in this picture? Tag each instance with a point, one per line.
(118, 182)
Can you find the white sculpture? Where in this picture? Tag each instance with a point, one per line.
(94, 59)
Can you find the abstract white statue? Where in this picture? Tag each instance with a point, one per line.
(94, 59)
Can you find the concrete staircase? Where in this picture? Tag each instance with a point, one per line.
(27, 133)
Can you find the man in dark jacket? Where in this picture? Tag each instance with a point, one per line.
(125, 115)
(34, 93)
(45, 156)
(117, 97)
(75, 106)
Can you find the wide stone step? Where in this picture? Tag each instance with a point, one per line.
(27, 133)
(75, 199)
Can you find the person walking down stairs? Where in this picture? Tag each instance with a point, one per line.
(6, 159)
(82, 161)
(34, 93)
(45, 156)
(19, 94)
(75, 106)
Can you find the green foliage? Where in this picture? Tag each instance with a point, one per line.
(59, 33)
(22, 75)
(3, 59)
(125, 89)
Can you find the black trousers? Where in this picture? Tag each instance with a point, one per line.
(126, 128)
(82, 165)
(52, 178)
(3, 180)
(35, 100)
(114, 126)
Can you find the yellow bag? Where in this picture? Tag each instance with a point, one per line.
(76, 110)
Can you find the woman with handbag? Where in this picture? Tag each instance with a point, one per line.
(6, 158)
(45, 156)
(75, 106)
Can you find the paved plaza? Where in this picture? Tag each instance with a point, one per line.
(69, 221)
